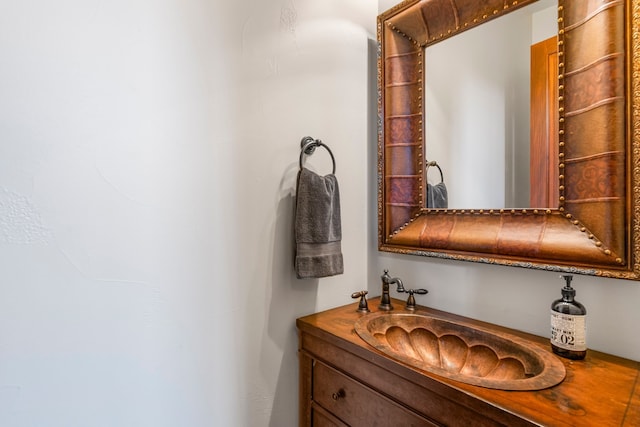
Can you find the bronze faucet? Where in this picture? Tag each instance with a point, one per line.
(385, 299)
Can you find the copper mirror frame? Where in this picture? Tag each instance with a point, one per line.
(595, 229)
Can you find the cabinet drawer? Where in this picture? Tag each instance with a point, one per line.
(356, 404)
(321, 418)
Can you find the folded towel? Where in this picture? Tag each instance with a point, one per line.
(437, 196)
(317, 226)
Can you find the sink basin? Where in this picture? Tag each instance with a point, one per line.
(461, 352)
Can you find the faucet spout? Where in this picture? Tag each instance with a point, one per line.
(398, 282)
(385, 298)
(388, 280)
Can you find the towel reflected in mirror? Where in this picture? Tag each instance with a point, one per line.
(437, 196)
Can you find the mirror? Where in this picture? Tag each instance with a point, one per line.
(477, 108)
(593, 226)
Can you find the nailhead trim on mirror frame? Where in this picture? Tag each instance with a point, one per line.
(595, 229)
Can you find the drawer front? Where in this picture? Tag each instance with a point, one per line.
(321, 418)
(356, 404)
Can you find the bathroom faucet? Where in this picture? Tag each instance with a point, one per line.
(385, 299)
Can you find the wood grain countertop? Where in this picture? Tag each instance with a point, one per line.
(601, 390)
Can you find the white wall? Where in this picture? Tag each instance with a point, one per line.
(544, 21)
(148, 154)
(516, 297)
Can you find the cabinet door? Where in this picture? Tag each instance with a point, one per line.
(357, 405)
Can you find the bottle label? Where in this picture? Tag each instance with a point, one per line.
(568, 331)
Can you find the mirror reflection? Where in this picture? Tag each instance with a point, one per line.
(491, 110)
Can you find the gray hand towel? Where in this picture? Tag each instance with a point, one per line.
(437, 196)
(317, 226)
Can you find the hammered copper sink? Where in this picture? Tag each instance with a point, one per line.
(461, 352)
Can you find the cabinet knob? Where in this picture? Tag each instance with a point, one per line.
(340, 394)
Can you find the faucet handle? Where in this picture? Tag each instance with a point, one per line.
(363, 307)
(411, 301)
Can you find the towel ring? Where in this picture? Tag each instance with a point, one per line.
(308, 145)
(434, 163)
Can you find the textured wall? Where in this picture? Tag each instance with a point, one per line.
(148, 154)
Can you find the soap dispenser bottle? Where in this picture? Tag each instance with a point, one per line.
(568, 324)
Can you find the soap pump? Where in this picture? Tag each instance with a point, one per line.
(568, 324)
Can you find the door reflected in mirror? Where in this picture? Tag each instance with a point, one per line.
(491, 113)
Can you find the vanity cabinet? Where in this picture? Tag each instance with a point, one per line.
(338, 396)
(346, 382)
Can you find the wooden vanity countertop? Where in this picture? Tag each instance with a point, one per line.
(601, 390)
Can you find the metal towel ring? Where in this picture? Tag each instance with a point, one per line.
(308, 145)
(434, 163)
